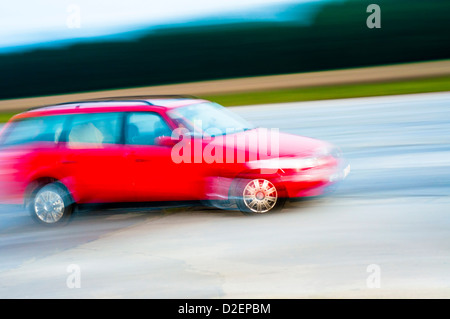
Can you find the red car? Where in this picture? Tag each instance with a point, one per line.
(155, 149)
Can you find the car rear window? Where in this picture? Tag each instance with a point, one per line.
(39, 129)
(95, 130)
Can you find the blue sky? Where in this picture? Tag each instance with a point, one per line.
(30, 21)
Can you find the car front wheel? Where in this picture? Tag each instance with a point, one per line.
(259, 196)
(52, 205)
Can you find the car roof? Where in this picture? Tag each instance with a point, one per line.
(113, 104)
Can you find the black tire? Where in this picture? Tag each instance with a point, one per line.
(219, 204)
(51, 205)
(259, 205)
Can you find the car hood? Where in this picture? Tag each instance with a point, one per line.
(261, 143)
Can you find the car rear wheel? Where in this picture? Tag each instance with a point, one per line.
(52, 205)
(259, 196)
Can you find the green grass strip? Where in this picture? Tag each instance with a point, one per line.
(425, 85)
(5, 116)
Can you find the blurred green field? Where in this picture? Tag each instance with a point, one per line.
(425, 85)
(422, 85)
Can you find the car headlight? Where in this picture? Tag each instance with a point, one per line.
(287, 163)
(318, 158)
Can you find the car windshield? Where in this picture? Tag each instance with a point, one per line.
(208, 118)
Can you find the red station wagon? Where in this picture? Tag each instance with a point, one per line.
(155, 149)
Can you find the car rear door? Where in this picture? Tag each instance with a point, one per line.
(94, 163)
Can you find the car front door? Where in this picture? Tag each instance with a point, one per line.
(156, 177)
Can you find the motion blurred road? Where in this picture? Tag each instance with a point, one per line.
(384, 233)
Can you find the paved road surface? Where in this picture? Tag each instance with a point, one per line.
(385, 232)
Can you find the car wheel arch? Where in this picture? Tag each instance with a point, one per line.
(38, 183)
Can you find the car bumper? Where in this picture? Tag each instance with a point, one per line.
(314, 181)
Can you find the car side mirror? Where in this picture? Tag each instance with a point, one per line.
(166, 141)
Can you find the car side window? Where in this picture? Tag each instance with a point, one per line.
(38, 129)
(144, 127)
(94, 130)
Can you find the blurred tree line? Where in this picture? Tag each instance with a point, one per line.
(411, 30)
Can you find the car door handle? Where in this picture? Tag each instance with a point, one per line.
(69, 162)
(141, 160)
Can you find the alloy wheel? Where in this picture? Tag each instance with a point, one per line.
(260, 196)
(49, 206)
